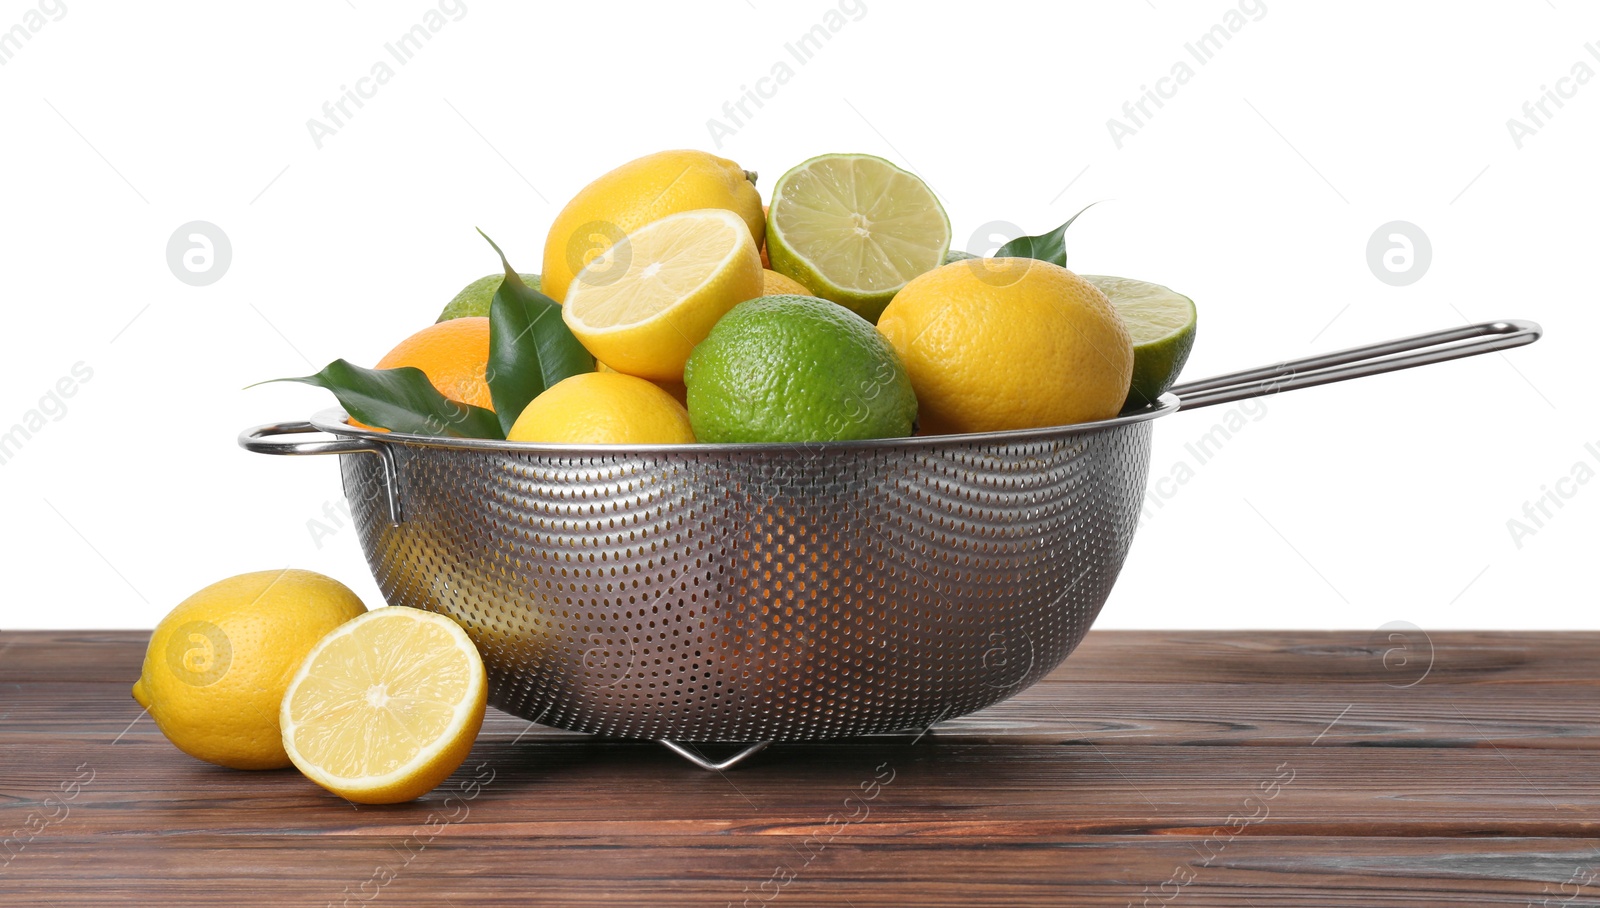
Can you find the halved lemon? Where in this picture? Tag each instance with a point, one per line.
(855, 229)
(386, 706)
(642, 305)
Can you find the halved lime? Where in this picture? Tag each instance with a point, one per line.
(1162, 325)
(855, 228)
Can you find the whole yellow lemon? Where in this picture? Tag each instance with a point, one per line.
(603, 408)
(1008, 343)
(218, 665)
(637, 193)
(675, 388)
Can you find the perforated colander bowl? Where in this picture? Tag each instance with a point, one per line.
(752, 593)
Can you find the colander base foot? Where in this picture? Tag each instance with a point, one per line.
(693, 756)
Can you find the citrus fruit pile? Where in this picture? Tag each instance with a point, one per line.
(278, 668)
(676, 307)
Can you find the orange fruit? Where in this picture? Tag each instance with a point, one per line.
(775, 284)
(765, 262)
(453, 354)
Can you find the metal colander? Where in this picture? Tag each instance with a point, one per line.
(777, 592)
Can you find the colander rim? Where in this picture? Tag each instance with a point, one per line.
(333, 422)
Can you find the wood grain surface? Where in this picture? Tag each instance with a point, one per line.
(1152, 768)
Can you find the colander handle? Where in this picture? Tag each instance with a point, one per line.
(259, 440)
(1358, 362)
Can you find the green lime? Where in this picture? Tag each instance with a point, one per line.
(855, 228)
(474, 299)
(957, 255)
(1162, 325)
(796, 368)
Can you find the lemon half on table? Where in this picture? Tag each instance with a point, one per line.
(385, 707)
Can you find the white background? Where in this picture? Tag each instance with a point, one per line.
(1254, 190)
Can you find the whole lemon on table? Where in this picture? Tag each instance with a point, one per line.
(603, 408)
(218, 665)
(637, 193)
(1008, 343)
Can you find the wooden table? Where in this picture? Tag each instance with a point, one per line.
(1188, 768)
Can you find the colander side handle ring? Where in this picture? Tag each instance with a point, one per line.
(258, 441)
(1359, 362)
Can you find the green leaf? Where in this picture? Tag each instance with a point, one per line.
(530, 347)
(1050, 247)
(401, 400)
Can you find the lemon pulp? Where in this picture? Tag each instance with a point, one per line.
(385, 707)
